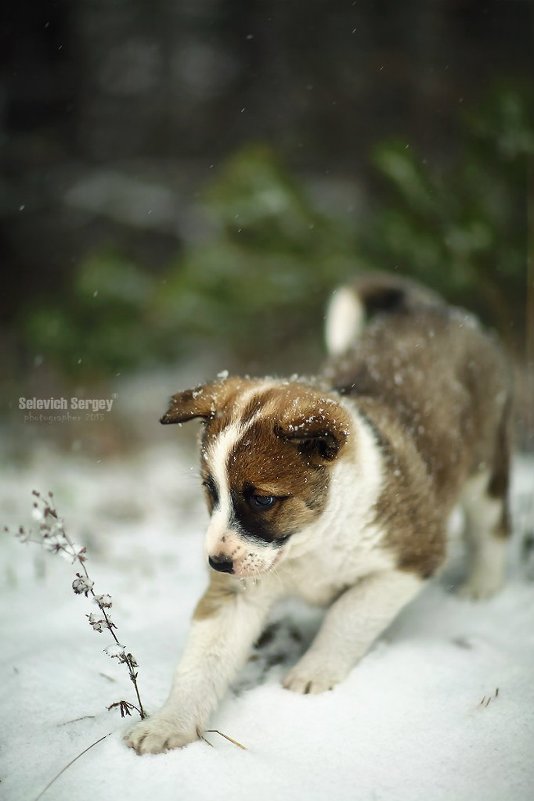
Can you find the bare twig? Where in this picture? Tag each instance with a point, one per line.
(226, 737)
(56, 777)
(125, 707)
(75, 720)
(486, 700)
(109, 678)
(53, 537)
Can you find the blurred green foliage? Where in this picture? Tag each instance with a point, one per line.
(264, 275)
(261, 280)
(463, 228)
(101, 328)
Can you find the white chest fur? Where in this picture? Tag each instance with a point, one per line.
(344, 544)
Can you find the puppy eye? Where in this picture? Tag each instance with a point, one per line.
(262, 501)
(209, 485)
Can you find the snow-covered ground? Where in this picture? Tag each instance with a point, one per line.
(441, 708)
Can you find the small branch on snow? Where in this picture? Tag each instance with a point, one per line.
(75, 720)
(226, 737)
(56, 777)
(125, 707)
(487, 699)
(53, 537)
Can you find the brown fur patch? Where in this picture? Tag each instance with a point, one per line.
(206, 401)
(499, 483)
(381, 292)
(262, 462)
(500, 467)
(220, 591)
(432, 386)
(405, 509)
(435, 388)
(294, 433)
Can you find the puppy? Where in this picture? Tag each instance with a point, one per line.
(337, 490)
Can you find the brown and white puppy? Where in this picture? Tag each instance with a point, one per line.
(338, 490)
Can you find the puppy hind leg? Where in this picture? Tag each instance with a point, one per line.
(487, 529)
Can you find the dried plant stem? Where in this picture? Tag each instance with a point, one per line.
(56, 777)
(54, 538)
(226, 737)
(127, 657)
(75, 720)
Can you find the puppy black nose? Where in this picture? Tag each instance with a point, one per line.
(221, 563)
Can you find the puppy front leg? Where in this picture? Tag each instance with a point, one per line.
(226, 623)
(349, 628)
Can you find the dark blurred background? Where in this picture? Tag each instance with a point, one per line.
(185, 181)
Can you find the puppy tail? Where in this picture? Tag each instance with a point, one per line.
(369, 294)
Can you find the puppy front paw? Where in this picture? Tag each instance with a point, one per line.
(312, 679)
(160, 733)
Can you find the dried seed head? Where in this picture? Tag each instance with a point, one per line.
(82, 585)
(98, 622)
(103, 601)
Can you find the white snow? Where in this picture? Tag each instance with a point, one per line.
(441, 708)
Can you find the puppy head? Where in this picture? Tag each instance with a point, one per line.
(267, 452)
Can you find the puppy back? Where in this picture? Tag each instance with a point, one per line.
(353, 305)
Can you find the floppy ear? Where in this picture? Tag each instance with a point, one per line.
(198, 402)
(318, 434)
(204, 401)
